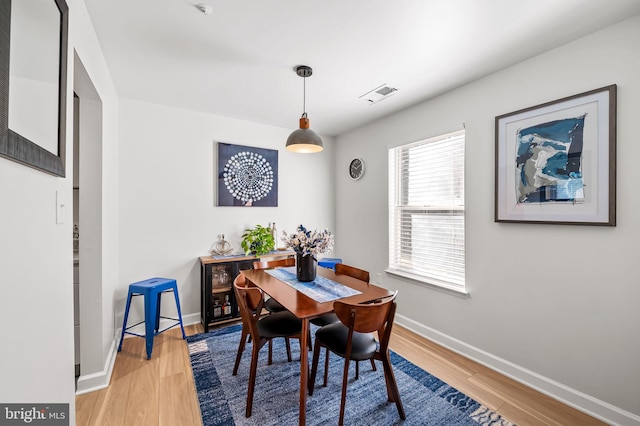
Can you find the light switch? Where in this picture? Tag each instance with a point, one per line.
(60, 207)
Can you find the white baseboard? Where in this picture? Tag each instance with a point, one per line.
(571, 397)
(99, 380)
(191, 319)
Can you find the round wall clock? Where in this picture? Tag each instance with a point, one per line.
(356, 168)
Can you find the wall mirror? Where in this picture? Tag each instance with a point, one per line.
(33, 83)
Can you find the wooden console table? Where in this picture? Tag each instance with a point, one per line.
(217, 299)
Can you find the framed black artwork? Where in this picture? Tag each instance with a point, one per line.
(247, 176)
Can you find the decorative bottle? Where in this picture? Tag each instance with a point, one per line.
(226, 308)
(217, 309)
(274, 234)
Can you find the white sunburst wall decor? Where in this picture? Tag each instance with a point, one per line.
(247, 176)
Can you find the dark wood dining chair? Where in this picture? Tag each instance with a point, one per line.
(358, 273)
(352, 339)
(332, 318)
(245, 333)
(270, 304)
(261, 329)
(341, 268)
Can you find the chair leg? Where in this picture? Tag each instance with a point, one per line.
(392, 386)
(286, 342)
(326, 367)
(343, 399)
(373, 367)
(314, 368)
(270, 352)
(252, 379)
(243, 339)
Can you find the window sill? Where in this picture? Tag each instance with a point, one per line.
(452, 288)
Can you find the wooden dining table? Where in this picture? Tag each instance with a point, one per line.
(306, 308)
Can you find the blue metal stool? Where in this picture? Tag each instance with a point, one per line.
(152, 290)
(329, 262)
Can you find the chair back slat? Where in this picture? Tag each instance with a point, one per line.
(269, 264)
(354, 272)
(249, 299)
(366, 317)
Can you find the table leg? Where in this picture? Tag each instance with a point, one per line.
(304, 371)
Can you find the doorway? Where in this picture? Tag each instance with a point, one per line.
(87, 220)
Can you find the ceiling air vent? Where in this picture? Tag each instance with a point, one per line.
(378, 94)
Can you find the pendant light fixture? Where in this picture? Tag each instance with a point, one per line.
(304, 140)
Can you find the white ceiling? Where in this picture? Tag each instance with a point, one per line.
(239, 61)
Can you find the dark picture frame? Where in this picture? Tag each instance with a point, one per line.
(247, 176)
(556, 162)
(14, 146)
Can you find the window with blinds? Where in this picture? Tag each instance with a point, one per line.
(426, 211)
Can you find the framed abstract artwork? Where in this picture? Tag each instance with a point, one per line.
(556, 162)
(247, 176)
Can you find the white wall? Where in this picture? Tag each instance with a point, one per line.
(568, 325)
(168, 212)
(36, 274)
(37, 254)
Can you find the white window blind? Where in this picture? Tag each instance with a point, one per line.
(426, 211)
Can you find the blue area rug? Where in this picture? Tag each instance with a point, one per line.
(426, 399)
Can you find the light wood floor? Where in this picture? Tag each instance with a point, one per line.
(161, 391)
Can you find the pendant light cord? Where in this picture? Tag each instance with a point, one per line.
(304, 96)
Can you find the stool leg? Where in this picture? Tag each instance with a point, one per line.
(175, 293)
(124, 323)
(159, 305)
(150, 310)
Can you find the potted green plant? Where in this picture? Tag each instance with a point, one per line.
(257, 241)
